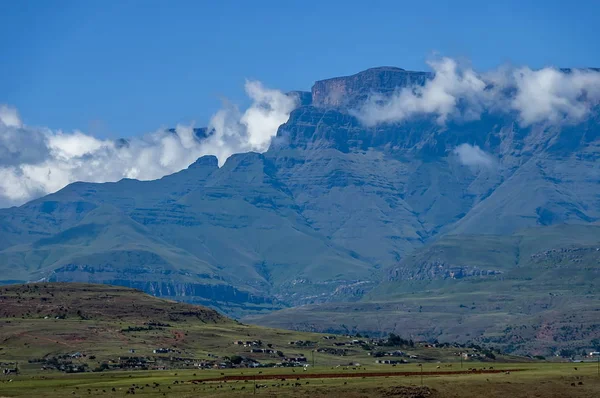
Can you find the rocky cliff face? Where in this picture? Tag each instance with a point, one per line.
(348, 91)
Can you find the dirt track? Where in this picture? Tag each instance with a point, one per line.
(348, 375)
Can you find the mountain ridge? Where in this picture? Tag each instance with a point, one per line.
(324, 213)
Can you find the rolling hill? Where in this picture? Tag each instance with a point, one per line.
(77, 327)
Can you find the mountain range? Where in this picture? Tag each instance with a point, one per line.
(449, 231)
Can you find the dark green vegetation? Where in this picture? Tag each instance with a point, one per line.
(378, 229)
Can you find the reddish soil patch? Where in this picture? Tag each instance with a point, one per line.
(74, 339)
(42, 338)
(351, 375)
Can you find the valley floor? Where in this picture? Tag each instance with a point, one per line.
(510, 380)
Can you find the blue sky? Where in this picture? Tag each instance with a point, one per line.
(122, 68)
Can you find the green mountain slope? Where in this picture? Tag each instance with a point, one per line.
(531, 292)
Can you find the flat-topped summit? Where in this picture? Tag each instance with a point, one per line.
(348, 90)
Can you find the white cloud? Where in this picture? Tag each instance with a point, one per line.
(270, 110)
(234, 132)
(9, 116)
(472, 155)
(38, 161)
(545, 96)
(438, 96)
(77, 144)
(549, 95)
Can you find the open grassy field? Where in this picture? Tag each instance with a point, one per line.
(47, 330)
(532, 380)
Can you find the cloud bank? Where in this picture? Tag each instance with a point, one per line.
(38, 161)
(544, 96)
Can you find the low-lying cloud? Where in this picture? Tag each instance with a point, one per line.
(551, 96)
(544, 96)
(472, 155)
(439, 96)
(37, 161)
(252, 130)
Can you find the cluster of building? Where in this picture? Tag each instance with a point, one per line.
(395, 353)
(253, 343)
(470, 355)
(10, 371)
(334, 351)
(262, 351)
(252, 363)
(302, 343)
(390, 361)
(258, 347)
(162, 350)
(354, 342)
(294, 360)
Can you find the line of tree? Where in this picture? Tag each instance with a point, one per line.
(394, 340)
